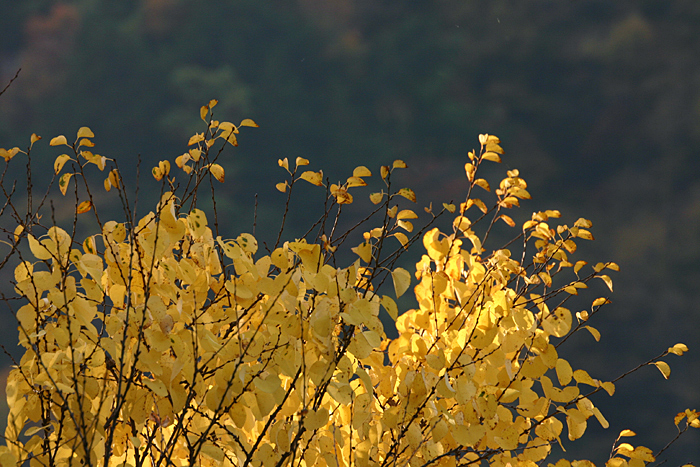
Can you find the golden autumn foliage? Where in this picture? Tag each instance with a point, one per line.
(155, 342)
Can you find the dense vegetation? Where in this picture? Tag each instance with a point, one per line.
(156, 341)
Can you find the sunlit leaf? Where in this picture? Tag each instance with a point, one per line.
(470, 170)
(249, 122)
(663, 368)
(483, 184)
(402, 281)
(85, 132)
(361, 171)
(364, 251)
(408, 194)
(300, 161)
(390, 306)
(376, 198)
(491, 156)
(217, 171)
(8, 154)
(678, 349)
(399, 164)
(401, 237)
(594, 332)
(384, 171)
(83, 207)
(315, 178)
(63, 182)
(195, 139)
(507, 220)
(355, 181)
(59, 162)
(282, 186)
(58, 140)
(607, 281)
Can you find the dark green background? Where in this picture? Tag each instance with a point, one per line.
(596, 102)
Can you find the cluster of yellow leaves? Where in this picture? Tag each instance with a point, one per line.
(164, 344)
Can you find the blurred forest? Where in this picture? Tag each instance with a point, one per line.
(596, 102)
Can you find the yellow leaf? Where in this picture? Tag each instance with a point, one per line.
(384, 171)
(627, 433)
(249, 122)
(585, 223)
(38, 249)
(582, 377)
(361, 171)
(390, 306)
(341, 194)
(203, 112)
(607, 281)
(507, 220)
(63, 183)
(399, 164)
(315, 178)
(392, 211)
(18, 231)
(402, 238)
(364, 251)
(85, 132)
(576, 423)
(218, 172)
(594, 332)
(35, 138)
(564, 372)
(376, 198)
(301, 161)
(157, 173)
(608, 387)
(519, 193)
(282, 187)
(195, 139)
(402, 281)
(34, 430)
(284, 163)
(83, 207)
(8, 154)
(483, 184)
(678, 349)
(406, 225)
(663, 368)
(408, 194)
(58, 140)
(113, 178)
(491, 156)
(470, 170)
(584, 234)
(616, 462)
(59, 162)
(406, 214)
(355, 181)
(601, 301)
(450, 207)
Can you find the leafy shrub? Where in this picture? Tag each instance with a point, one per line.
(156, 342)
